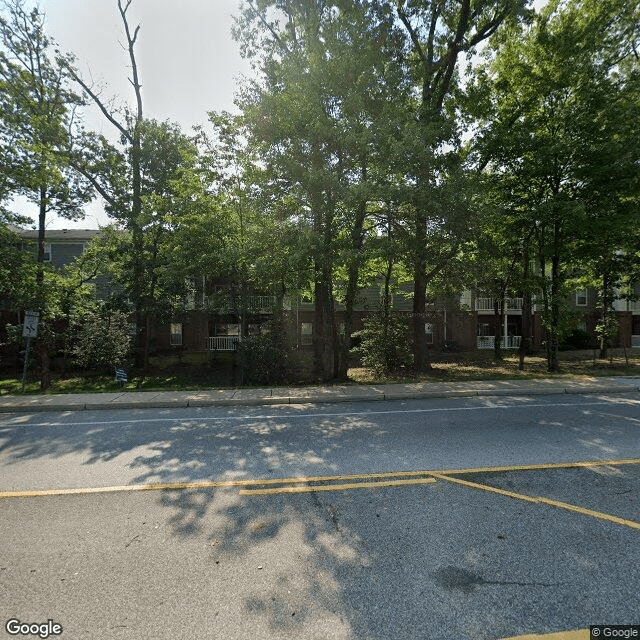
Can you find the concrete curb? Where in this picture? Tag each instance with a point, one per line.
(57, 403)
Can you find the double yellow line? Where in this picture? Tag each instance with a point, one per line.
(378, 480)
(310, 484)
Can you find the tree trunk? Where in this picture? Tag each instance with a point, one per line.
(323, 331)
(525, 338)
(43, 346)
(421, 360)
(606, 302)
(323, 327)
(498, 314)
(553, 364)
(357, 242)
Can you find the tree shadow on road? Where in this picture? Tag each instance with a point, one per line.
(430, 561)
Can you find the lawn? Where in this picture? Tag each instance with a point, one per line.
(480, 365)
(197, 371)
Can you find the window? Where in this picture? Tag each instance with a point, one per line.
(581, 298)
(306, 333)
(176, 334)
(483, 329)
(428, 332)
(47, 252)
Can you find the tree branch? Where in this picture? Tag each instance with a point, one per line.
(131, 40)
(78, 166)
(271, 30)
(414, 37)
(94, 96)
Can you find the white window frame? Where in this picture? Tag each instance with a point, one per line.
(579, 295)
(47, 252)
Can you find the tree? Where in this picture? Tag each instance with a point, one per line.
(125, 201)
(542, 144)
(437, 33)
(17, 267)
(174, 228)
(332, 76)
(36, 131)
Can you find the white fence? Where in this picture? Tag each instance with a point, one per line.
(222, 343)
(488, 342)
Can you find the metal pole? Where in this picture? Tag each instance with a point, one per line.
(26, 364)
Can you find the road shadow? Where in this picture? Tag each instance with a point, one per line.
(437, 562)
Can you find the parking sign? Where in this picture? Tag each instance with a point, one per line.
(30, 328)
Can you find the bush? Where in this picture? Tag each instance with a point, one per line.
(101, 340)
(268, 358)
(577, 339)
(385, 351)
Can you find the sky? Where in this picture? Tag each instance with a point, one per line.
(188, 64)
(187, 61)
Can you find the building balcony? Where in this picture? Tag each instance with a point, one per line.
(486, 305)
(224, 303)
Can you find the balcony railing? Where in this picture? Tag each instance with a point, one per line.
(222, 343)
(486, 304)
(634, 305)
(252, 304)
(488, 342)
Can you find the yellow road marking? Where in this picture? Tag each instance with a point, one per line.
(484, 487)
(201, 484)
(538, 499)
(204, 484)
(159, 486)
(578, 634)
(542, 467)
(335, 487)
(588, 512)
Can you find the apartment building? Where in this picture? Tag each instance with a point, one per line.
(217, 314)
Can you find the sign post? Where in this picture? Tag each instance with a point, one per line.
(29, 330)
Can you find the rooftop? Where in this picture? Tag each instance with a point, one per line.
(61, 234)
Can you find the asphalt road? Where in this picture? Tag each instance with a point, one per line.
(443, 559)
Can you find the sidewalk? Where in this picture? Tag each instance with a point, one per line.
(315, 394)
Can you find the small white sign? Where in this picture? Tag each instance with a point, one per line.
(30, 328)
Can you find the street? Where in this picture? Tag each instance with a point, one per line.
(479, 518)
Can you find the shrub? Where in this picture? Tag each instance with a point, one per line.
(577, 339)
(385, 349)
(268, 358)
(101, 340)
